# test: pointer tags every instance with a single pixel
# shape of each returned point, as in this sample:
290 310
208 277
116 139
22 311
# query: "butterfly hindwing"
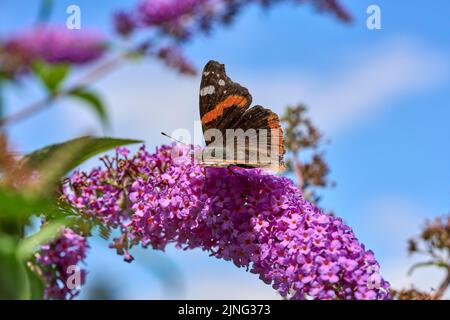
266 125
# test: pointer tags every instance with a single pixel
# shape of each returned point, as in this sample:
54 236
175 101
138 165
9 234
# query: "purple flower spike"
124 23
258 221
52 44
59 263
155 12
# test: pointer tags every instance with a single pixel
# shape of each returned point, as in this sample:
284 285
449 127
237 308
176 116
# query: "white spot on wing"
221 82
207 90
206 73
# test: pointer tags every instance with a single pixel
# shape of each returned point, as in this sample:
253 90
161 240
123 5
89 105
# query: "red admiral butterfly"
235 134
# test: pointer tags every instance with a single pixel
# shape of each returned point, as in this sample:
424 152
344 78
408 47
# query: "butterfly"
235 133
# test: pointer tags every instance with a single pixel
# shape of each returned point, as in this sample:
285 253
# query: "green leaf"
1 97
17 280
85 147
36 285
16 205
51 75
45 11
27 247
7 244
104 231
13 278
438 264
92 100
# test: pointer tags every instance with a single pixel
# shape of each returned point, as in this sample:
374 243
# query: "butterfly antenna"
170 137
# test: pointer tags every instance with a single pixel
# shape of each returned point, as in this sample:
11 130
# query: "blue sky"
381 96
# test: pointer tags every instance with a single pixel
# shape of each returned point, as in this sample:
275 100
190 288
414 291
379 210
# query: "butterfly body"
235 133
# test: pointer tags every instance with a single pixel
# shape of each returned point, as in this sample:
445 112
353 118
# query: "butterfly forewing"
222 101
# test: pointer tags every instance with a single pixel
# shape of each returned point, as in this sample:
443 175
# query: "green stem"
99 71
45 10
1 99
444 286
40 105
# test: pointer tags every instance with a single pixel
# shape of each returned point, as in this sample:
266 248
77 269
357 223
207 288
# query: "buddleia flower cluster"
257 220
59 264
51 44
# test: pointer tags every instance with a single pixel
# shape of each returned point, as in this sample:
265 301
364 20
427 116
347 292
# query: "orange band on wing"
233 100
274 123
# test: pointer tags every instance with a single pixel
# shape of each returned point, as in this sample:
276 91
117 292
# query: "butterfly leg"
229 168
231 171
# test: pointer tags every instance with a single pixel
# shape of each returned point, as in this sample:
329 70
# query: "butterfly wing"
224 104
265 125
222 101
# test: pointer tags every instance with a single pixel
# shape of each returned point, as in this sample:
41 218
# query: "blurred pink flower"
51 44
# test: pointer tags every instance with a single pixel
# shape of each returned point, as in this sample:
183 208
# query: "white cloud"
145 99
386 225
362 85
232 288
214 286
